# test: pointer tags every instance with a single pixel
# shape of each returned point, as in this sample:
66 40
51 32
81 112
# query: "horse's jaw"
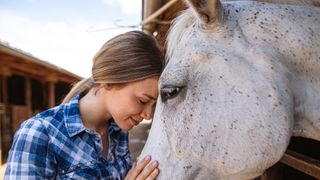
172 166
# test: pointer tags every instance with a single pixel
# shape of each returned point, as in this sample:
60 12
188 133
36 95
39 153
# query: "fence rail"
302 163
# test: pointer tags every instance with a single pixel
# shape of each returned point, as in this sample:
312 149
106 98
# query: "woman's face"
130 104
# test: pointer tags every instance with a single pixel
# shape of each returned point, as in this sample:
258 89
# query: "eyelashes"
169 92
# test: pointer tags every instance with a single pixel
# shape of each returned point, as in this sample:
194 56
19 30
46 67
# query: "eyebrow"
150 96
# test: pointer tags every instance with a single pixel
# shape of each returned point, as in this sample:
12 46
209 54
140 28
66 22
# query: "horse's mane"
180 24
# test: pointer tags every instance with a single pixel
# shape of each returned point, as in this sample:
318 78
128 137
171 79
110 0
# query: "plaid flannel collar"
73 120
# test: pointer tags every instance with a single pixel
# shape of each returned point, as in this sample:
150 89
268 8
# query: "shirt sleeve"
29 156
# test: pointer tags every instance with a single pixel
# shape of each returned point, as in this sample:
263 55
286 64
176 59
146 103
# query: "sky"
66 33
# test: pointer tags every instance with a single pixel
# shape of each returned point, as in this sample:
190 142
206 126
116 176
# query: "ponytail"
81 86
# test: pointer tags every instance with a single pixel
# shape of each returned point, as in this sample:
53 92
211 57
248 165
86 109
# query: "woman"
86 136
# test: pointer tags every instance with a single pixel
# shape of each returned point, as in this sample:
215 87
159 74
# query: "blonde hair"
128 57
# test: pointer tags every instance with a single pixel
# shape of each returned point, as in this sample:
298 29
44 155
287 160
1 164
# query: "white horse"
241 79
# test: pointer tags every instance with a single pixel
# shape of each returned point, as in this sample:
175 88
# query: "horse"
241 78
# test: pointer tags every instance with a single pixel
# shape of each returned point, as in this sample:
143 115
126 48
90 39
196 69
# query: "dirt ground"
137 138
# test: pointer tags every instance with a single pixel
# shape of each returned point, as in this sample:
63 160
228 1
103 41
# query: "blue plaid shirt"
55 145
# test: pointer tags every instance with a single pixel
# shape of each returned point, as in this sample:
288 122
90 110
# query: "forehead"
146 86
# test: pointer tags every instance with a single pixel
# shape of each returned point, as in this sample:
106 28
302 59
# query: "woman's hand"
142 171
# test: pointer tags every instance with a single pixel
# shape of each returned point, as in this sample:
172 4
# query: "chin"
125 127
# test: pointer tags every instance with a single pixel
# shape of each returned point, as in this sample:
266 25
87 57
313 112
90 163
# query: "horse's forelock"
177 30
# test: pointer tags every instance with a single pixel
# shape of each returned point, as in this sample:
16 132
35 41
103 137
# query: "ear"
208 11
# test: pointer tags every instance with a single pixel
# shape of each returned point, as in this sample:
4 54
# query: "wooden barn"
302 159
27 86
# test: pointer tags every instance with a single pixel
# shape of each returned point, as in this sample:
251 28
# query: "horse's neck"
302 2
296 38
297 2
302 56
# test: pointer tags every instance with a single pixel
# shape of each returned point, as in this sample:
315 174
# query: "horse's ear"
208 11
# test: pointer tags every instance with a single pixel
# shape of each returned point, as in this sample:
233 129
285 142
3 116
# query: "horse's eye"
169 92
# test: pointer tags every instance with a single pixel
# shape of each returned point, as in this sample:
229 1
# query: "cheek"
117 108
129 108
134 108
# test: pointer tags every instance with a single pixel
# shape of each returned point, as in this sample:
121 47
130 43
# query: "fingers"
129 174
149 172
139 167
143 170
154 174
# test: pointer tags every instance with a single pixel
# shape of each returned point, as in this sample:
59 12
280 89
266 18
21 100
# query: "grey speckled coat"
241 79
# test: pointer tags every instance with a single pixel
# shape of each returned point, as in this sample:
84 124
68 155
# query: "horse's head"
226 108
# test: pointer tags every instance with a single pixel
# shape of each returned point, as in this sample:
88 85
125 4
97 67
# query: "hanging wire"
116 24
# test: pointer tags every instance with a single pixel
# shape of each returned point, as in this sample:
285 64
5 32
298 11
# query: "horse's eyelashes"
169 92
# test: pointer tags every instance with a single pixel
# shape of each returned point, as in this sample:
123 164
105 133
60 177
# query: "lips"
133 122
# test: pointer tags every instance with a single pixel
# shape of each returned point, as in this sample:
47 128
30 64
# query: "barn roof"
22 62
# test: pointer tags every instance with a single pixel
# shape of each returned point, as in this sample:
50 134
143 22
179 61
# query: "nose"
147 112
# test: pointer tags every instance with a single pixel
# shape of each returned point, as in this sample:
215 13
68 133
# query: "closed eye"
143 102
169 92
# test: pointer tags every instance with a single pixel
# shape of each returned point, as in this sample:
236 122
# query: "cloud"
64 43
126 6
